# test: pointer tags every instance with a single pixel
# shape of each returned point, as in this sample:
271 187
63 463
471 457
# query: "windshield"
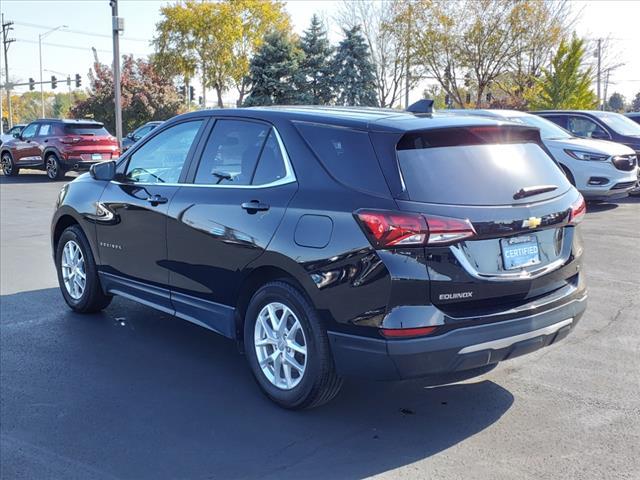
619 123
86 129
548 129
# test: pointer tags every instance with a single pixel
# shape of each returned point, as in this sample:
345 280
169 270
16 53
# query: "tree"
566 84
616 102
146 95
274 72
354 78
635 104
315 67
388 28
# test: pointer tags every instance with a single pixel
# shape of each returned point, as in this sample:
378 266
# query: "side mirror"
16 135
599 135
105 171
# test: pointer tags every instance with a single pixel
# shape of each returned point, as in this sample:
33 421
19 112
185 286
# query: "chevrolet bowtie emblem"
532 222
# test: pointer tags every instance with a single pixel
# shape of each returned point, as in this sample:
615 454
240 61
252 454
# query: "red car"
58 146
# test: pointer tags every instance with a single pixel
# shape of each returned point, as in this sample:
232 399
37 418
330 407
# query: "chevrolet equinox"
334 242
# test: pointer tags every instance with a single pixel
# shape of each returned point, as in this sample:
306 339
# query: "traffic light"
32 84
182 91
447 100
192 94
489 97
468 98
78 80
54 81
200 101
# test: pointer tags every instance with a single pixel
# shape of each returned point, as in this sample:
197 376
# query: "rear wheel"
9 168
53 167
77 273
288 349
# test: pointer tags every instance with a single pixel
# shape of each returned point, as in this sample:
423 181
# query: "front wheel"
53 167
9 168
77 273
288 349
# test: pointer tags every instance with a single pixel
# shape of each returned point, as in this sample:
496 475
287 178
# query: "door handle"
155 200
255 206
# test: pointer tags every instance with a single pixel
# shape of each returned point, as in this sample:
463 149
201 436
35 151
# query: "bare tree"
387 28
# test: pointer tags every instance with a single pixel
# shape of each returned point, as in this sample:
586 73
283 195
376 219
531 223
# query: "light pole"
117 26
40 37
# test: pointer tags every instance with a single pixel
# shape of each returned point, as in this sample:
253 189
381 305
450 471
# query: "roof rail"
421 106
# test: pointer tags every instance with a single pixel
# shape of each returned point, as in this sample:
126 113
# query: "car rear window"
460 168
85 129
347 155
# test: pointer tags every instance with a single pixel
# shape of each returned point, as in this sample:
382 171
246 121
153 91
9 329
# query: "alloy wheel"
281 345
7 166
74 274
52 167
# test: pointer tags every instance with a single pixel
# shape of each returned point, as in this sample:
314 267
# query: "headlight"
580 155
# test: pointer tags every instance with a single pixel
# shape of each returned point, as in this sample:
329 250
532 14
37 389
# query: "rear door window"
476 173
45 129
346 154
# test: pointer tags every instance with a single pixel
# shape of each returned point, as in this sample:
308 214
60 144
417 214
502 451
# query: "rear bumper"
459 350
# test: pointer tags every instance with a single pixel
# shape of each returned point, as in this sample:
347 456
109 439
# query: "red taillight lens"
70 140
391 229
443 230
386 229
578 211
406 332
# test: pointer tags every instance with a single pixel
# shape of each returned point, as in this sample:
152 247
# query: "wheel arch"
62 223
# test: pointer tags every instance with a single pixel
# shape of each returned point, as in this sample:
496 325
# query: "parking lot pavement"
133 393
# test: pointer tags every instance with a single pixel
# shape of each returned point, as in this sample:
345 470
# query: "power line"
74 47
82 32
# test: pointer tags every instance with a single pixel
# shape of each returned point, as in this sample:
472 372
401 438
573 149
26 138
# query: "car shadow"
34 176
134 393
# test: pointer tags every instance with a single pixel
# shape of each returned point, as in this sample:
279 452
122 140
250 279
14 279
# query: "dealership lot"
134 393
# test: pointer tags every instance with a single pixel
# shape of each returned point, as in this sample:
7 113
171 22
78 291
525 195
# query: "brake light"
444 230
578 211
70 140
406 332
386 229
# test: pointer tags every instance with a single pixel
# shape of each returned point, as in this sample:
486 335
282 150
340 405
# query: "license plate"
520 252
96 156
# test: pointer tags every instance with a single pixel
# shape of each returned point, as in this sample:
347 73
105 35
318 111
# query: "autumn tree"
315 66
354 74
566 84
275 72
146 95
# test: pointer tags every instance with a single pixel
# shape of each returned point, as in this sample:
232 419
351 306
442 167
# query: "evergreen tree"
315 69
274 72
566 85
616 102
635 105
354 78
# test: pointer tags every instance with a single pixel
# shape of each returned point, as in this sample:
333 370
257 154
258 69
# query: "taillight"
70 140
386 229
578 211
406 332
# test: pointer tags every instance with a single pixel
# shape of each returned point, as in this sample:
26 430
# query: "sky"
88 24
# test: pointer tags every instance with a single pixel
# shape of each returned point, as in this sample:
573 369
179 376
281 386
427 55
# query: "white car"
8 135
599 169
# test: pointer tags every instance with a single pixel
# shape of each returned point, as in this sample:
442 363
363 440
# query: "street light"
40 37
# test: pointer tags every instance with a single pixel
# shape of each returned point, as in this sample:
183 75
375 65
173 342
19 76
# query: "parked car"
11 133
137 134
58 146
598 125
635 116
599 169
332 242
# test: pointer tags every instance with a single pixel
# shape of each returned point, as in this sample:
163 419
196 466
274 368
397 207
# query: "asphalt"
132 393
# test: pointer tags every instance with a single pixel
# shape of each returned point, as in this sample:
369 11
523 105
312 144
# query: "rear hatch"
499 212
90 141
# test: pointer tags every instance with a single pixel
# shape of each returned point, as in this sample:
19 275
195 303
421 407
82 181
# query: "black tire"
9 168
53 167
319 383
92 299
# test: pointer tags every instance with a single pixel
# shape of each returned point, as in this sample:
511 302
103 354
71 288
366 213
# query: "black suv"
331 242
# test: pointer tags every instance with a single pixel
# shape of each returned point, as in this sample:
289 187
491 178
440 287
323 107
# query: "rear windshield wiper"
535 190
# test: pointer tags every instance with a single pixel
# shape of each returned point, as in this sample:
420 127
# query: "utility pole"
599 54
6 41
117 27
407 54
